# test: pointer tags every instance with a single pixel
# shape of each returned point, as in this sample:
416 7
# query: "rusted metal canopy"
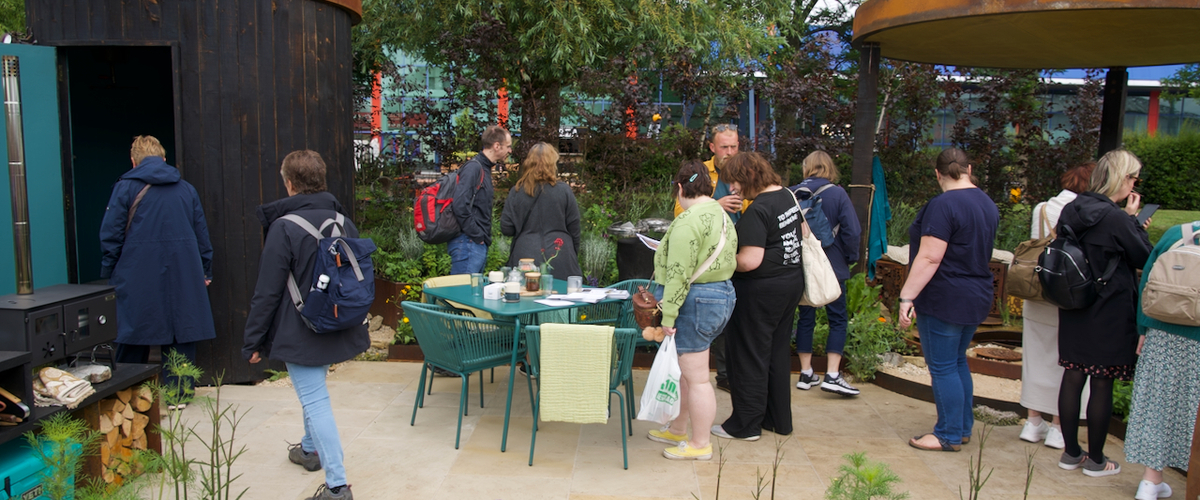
1033 33
354 7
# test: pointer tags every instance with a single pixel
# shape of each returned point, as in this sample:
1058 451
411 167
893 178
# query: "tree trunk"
541 113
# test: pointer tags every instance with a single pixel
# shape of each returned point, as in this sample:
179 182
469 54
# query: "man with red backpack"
472 205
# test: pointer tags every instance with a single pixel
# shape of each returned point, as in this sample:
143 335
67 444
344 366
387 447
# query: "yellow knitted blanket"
575 365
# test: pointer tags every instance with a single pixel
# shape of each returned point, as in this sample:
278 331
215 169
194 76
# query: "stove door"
90 322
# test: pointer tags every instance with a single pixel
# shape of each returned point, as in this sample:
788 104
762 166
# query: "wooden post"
1112 117
864 141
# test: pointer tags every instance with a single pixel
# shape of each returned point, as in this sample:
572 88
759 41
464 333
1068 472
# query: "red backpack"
432 216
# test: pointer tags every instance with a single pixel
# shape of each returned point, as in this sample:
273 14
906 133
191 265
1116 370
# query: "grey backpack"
1172 293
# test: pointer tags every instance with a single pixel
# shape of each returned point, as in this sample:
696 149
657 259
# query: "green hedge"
1170 169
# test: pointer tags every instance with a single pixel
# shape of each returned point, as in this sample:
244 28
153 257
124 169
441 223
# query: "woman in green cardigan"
694 263
1166 388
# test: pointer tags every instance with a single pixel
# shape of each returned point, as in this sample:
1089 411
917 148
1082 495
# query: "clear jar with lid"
526 265
533 281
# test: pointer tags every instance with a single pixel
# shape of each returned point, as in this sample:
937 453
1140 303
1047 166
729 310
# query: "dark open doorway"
113 94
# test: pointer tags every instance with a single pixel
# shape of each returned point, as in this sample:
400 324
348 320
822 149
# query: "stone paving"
386 458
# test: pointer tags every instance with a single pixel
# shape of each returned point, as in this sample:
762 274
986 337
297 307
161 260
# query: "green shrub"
1014 226
594 254
868 334
903 215
1122 399
1170 167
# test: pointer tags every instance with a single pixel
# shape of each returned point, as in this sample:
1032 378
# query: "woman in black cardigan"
1098 344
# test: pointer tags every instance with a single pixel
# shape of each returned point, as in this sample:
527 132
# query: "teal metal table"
514 310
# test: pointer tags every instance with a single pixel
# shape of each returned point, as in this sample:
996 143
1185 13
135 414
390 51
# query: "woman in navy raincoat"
160 263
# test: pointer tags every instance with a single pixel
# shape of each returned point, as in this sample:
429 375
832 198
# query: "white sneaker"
1034 433
1054 438
719 431
1149 491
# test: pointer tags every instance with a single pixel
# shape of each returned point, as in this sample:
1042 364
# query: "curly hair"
750 170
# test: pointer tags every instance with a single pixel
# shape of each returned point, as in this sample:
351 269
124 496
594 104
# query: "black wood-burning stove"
58 320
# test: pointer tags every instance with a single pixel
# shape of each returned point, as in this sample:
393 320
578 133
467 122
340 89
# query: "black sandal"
944 444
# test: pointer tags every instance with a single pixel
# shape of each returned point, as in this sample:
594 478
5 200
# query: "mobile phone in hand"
1146 213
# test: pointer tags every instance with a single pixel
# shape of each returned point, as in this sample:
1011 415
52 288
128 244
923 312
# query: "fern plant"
862 479
61 446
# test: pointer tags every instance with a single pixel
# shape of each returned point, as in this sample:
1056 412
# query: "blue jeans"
320 430
703 315
838 319
466 256
945 346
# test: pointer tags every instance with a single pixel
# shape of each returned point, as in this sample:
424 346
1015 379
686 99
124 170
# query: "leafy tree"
1185 81
12 16
538 48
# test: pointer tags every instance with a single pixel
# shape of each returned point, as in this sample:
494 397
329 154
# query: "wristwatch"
906 301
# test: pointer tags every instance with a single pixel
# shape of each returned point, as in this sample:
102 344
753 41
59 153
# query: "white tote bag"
821 286
660 398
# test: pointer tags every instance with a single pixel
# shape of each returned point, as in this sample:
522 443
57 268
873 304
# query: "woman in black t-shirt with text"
769 282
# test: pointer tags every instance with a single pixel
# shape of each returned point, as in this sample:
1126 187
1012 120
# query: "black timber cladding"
255 80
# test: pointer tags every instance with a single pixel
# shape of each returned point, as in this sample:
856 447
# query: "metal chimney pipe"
16 174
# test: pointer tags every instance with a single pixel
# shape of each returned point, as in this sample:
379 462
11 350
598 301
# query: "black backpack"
1066 278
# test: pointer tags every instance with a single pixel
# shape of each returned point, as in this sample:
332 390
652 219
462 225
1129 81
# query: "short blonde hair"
1112 169
144 146
819 164
539 167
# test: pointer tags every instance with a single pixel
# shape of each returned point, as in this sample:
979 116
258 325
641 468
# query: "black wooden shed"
230 88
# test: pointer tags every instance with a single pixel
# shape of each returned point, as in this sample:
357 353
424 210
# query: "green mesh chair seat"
612 313
620 372
455 341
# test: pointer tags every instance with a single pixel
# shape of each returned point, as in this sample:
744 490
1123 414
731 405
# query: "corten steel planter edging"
916 390
406 352
386 293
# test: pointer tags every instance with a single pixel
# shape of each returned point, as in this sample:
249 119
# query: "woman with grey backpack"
1166 385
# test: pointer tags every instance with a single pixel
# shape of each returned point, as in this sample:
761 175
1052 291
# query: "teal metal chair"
620 373
460 344
611 313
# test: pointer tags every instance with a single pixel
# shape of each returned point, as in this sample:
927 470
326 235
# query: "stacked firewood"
123 420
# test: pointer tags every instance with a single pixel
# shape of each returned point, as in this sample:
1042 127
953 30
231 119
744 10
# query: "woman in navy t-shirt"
949 288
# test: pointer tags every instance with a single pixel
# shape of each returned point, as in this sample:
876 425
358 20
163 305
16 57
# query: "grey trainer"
326 493
298 456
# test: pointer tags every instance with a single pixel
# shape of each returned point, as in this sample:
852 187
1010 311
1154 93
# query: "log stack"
126 423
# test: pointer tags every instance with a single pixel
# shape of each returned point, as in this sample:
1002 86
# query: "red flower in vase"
558 244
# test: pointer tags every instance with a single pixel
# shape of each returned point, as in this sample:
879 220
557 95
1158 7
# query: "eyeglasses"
1135 179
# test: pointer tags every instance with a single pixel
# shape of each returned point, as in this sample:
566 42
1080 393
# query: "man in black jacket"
472 205
275 329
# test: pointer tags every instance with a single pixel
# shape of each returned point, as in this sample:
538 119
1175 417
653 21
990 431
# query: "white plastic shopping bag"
660 398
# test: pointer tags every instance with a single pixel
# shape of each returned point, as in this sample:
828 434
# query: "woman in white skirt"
1040 373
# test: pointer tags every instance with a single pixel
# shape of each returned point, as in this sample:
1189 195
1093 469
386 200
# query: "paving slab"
387 457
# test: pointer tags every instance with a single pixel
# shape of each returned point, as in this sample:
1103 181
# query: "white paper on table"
651 243
591 296
555 303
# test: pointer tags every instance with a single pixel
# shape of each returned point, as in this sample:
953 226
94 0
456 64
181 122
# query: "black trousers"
131 353
758 351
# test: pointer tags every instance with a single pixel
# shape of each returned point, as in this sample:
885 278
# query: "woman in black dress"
1098 344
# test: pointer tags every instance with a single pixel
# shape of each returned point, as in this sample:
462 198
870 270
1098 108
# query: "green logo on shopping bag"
668 391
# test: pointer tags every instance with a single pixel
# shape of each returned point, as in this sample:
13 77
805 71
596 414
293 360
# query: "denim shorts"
703 315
